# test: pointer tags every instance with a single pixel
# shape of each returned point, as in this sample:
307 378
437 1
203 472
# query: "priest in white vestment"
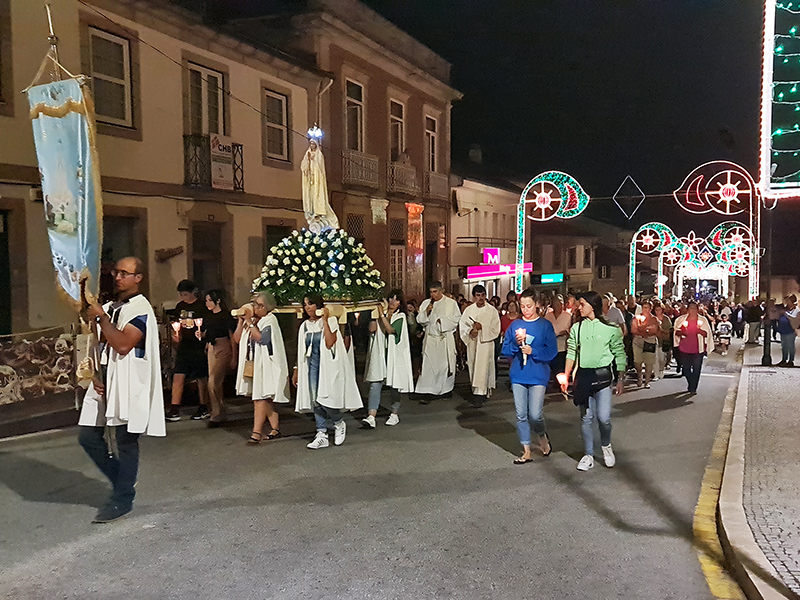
125 393
439 315
479 328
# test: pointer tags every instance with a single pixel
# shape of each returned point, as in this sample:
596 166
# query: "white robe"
399 374
134 396
270 373
337 380
480 350
375 367
438 346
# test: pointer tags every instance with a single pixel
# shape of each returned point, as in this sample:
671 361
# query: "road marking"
715 375
706 536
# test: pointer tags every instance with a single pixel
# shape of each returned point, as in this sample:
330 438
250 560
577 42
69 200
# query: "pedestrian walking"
263 371
530 343
645 328
664 350
786 326
561 320
596 353
752 316
479 327
389 359
439 315
326 384
694 338
125 394
217 332
190 357
724 331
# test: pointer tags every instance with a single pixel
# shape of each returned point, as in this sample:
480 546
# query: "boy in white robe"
260 340
125 393
439 315
479 328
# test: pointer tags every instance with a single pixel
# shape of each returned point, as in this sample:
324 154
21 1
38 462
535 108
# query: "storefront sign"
491 256
551 278
495 271
221 162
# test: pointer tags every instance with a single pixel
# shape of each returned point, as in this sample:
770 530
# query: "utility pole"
766 358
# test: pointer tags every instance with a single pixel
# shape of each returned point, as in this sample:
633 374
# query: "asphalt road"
431 508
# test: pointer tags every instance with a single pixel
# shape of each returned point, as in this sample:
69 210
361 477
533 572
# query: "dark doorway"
207 255
431 261
120 239
5 277
273 234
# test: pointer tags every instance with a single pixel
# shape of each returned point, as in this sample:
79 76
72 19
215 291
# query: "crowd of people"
583 345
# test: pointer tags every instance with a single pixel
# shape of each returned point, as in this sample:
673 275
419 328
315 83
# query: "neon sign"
494 271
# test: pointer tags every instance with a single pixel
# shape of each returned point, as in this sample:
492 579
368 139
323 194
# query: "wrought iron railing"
402 179
486 242
238 167
436 186
196 160
359 168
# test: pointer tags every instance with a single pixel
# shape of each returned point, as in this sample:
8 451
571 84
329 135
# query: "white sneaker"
370 420
340 429
586 463
608 456
321 441
393 419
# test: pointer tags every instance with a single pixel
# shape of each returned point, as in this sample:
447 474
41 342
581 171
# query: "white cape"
375 367
133 385
399 374
438 346
337 379
480 350
270 373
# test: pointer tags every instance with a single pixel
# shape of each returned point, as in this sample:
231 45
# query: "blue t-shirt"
541 337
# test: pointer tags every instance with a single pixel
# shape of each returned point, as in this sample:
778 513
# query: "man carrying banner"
125 393
479 328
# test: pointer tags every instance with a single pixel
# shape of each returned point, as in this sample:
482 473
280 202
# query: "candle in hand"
562 379
522 333
198 323
176 326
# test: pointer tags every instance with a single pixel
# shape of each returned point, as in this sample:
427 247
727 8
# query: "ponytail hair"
594 300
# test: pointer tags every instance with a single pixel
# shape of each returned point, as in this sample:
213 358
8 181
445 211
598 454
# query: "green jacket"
601 345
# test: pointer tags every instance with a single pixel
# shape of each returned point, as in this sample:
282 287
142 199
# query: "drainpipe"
319 98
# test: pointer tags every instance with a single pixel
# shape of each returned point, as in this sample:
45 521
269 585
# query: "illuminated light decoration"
495 271
314 133
779 169
728 189
629 182
549 195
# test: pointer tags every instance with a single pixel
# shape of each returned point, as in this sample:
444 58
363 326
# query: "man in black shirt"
190 357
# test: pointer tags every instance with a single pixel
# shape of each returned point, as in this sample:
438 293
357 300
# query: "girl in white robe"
325 380
389 359
260 341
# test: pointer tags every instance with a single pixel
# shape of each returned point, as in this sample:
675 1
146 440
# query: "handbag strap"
578 347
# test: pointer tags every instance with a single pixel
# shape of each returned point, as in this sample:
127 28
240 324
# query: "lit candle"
198 322
523 332
562 379
176 325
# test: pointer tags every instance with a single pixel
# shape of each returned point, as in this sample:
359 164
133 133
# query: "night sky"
602 89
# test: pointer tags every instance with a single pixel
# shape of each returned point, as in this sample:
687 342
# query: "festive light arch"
548 195
727 251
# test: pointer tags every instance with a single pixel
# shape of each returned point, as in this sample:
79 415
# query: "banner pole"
55 73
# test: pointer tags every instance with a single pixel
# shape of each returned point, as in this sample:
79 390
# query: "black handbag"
649 347
589 381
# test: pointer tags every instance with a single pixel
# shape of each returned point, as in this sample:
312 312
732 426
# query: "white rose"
301 282
297 260
347 281
335 285
295 268
281 271
305 267
323 285
286 261
311 284
324 244
340 256
317 254
279 282
293 278
351 239
301 251
358 282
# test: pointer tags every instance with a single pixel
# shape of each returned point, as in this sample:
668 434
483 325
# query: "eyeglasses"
121 273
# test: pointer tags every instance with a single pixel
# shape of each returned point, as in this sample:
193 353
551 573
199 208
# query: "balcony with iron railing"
197 162
359 168
436 186
402 179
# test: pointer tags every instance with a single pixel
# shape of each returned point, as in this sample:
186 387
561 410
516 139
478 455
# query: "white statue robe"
480 350
315 189
337 379
134 396
270 371
399 374
438 346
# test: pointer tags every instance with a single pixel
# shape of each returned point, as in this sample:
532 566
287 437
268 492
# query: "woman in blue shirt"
530 343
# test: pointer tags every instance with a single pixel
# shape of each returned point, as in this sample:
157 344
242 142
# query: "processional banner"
64 131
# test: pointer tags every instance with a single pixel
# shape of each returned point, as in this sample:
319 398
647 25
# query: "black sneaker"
111 512
174 413
202 413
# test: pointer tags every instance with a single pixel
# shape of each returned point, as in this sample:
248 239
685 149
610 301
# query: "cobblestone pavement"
771 494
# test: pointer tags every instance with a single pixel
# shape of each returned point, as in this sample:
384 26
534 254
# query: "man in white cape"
439 315
479 328
125 393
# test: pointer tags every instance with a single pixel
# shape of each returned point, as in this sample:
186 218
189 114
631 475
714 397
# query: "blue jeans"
692 364
122 469
323 414
528 402
787 347
375 397
599 407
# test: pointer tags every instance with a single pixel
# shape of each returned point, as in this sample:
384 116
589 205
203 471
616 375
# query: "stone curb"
755 574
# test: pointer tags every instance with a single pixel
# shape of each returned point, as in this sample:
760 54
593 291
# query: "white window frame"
361 104
126 56
397 122
284 129
205 72
431 145
397 254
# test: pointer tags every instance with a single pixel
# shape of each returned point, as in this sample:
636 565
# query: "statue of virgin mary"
317 208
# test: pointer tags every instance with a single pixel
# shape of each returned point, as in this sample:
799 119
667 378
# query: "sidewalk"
759 506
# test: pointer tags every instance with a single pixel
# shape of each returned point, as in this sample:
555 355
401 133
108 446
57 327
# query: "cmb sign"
221 162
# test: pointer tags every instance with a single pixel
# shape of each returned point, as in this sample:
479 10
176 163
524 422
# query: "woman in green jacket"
593 348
